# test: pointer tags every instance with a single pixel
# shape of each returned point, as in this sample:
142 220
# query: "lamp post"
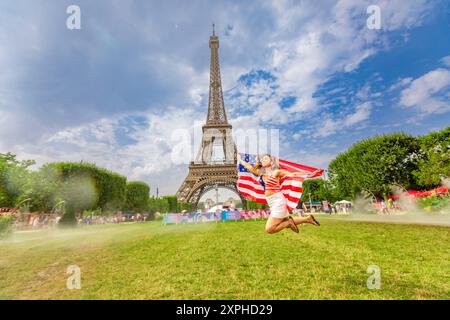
217 196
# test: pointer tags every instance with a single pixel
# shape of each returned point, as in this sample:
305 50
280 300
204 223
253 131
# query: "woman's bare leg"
301 220
274 225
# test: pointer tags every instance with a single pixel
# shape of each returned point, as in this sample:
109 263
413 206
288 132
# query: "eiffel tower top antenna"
213 30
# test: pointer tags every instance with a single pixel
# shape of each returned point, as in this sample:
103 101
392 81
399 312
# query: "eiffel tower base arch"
203 178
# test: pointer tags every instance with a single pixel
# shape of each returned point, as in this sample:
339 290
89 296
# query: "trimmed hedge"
137 196
84 186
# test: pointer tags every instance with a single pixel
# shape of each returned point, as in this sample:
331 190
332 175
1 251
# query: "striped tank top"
272 184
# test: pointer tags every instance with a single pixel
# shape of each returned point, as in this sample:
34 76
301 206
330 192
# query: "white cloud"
311 45
149 158
308 46
395 14
402 83
127 58
270 112
331 126
362 113
314 158
422 93
446 61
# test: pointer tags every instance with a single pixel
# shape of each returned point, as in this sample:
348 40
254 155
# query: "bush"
435 202
6 222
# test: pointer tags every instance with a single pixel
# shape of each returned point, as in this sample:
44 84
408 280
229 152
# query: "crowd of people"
35 220
388 207
118 218
324 207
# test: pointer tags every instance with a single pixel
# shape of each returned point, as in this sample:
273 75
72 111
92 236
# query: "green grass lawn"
233 260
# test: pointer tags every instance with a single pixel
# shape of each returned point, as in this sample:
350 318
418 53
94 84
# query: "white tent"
343 202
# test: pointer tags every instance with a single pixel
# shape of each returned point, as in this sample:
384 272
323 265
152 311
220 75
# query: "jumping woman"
269 177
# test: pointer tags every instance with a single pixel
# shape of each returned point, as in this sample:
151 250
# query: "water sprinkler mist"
364 202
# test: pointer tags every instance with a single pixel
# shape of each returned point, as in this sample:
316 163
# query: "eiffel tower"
215 163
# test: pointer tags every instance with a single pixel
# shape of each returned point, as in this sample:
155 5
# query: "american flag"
250 185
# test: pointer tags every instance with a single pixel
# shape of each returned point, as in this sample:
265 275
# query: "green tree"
137 196
42 188
14 174
173 203
434 160
184 206
320 190
158 205
376 164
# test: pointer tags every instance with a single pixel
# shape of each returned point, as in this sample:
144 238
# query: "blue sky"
115 91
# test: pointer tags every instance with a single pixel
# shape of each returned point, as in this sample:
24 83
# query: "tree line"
375 165
74 188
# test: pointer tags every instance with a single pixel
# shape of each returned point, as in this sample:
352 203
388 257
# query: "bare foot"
313 220
292 225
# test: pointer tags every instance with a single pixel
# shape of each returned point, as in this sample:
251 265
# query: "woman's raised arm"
282 173
248 166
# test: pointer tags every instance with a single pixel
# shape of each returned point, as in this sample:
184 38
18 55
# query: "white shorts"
278 205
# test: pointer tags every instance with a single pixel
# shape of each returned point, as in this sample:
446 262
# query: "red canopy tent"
410 193
416 193
441 190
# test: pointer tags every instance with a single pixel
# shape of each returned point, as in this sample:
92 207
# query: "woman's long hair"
258 165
